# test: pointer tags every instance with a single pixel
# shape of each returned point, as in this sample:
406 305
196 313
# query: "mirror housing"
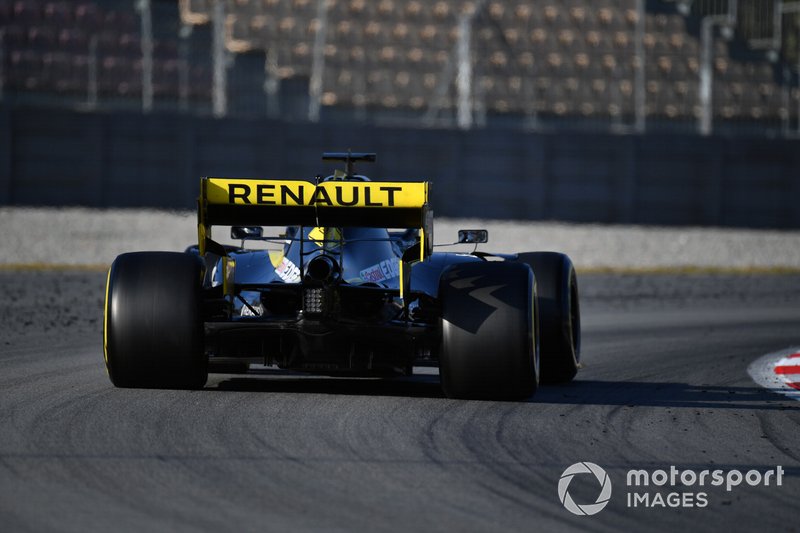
473 236
244 233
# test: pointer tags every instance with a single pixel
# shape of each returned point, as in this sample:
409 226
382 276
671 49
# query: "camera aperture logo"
589 508
646 488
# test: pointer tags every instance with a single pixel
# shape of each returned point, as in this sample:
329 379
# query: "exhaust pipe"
322 269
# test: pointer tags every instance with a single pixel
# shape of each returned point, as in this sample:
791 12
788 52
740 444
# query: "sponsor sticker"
386 269
288 271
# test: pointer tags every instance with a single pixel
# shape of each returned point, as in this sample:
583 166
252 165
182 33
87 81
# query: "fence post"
146 19
183 67
464 76
706 73
318 63
641 110
91 88
220 60
272 82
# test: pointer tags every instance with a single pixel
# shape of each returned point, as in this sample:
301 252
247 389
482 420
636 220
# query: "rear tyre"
489 331
152 334
560 318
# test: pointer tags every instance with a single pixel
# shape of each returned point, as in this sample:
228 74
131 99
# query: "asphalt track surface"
665 383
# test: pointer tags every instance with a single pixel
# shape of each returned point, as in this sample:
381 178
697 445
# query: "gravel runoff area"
93 237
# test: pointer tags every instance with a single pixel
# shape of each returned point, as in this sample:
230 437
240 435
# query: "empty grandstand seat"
200 82
526 61
120 21
599 88
25 66
61 75
606 18
622 41
6 11
413 10
386 8
679 70
664 64
541 37
609 62
596 41
41 37
26 12
15 36
653 88
582 61
129 44
566 37
289 29
58 14
578 16
301 53
165 78
554 15
87 16
554 64
693 65
765 72
73 40
496 11
676 42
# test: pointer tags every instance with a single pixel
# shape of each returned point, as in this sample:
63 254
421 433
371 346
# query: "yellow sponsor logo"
330 194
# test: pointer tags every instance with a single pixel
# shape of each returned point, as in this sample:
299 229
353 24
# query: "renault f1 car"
355 289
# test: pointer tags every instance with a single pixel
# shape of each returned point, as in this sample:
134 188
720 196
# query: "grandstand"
620 65
90 54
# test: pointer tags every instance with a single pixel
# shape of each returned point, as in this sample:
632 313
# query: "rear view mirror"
244 233
473 236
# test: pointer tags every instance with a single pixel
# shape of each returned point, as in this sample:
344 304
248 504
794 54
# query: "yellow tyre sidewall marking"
105 319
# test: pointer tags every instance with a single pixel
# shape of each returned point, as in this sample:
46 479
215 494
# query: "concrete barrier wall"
50 157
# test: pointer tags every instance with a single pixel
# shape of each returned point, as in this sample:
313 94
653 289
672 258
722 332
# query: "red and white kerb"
788 370
779 372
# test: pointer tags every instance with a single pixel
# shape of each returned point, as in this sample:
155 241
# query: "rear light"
313 301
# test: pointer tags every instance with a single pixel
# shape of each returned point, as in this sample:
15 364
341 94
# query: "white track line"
779 372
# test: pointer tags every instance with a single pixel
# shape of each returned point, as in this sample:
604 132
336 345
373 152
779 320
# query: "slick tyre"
152 331
560 317
489 344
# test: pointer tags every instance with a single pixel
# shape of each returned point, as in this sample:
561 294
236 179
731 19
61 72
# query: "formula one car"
343 295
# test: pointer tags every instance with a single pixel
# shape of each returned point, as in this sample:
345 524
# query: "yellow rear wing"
335 203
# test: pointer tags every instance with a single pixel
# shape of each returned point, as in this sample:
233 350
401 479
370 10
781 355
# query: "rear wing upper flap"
263 202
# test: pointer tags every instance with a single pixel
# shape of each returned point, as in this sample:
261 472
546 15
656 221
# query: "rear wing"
335 203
